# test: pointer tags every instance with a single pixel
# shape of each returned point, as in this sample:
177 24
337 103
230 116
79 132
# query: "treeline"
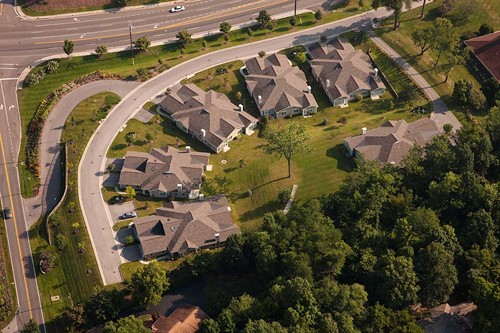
353 261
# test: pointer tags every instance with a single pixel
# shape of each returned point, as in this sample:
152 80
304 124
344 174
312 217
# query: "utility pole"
131 45
295 11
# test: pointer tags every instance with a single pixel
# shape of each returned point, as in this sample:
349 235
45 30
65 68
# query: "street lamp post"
131 45
295 11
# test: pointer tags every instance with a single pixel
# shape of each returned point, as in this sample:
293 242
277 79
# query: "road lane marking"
14 218
220 14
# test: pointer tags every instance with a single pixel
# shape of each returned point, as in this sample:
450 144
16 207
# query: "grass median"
120 63
76 273
8 300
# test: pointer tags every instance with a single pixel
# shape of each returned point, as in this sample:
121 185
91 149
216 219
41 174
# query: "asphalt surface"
46 35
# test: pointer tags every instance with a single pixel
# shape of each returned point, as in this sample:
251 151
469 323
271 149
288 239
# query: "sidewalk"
441 113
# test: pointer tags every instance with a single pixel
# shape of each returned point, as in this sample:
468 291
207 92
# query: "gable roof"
181 226
185 319
162 169
280 84
392 141
210 111
487 50
346 69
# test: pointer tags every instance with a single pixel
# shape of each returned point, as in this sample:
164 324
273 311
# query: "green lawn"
400 40
49 10
129 268
120 63
316 173
76 274
7 280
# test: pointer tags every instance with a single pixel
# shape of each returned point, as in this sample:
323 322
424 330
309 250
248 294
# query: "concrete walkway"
441 113
290 201
50 164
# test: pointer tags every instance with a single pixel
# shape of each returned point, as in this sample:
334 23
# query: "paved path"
50 166
441 113
290 201
96 213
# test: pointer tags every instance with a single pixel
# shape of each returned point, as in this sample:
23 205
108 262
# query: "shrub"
112 100
293 22
250 32
284 195
51 66
143 74
101 50
323 38
47 261
142 43
62 242
249 193
477 101
318 15
129 240
342 120
262 54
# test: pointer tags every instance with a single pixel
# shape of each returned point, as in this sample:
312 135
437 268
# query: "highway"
24 40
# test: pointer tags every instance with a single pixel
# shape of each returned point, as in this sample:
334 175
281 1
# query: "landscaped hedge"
35 127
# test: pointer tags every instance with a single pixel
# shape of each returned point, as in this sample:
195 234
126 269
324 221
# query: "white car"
128 215
177 9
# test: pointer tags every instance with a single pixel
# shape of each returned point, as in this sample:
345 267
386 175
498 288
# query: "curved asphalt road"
50 167
97 216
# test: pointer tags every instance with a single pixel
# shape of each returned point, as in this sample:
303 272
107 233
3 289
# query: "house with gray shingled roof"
278 88
180 228
343 72
392 141
165 172
210 117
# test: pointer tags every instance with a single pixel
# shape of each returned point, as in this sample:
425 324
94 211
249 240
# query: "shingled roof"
487 50
280 84
346 69
210 111
183 226
392 141
185 319
163 169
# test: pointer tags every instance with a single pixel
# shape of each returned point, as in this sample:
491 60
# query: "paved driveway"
117 210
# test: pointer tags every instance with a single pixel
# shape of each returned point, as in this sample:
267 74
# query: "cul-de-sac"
250 166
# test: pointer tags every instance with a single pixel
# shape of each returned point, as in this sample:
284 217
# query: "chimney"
260 99
203 132
328 83
375 72
217 238
363 131
201 197
179 187
309 89
241 107
188 149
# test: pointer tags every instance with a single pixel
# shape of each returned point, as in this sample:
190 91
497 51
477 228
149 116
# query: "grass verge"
76 274
129 268
46 8
120 63
8 292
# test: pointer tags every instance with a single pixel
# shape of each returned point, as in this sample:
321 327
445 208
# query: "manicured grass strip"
120 63
10 288
48 10
129 268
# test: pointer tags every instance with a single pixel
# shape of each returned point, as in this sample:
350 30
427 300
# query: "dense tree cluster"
354 260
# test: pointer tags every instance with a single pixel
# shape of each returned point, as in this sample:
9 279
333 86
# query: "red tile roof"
487 50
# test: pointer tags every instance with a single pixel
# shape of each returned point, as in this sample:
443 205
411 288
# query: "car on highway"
128 215
177 9
7 214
